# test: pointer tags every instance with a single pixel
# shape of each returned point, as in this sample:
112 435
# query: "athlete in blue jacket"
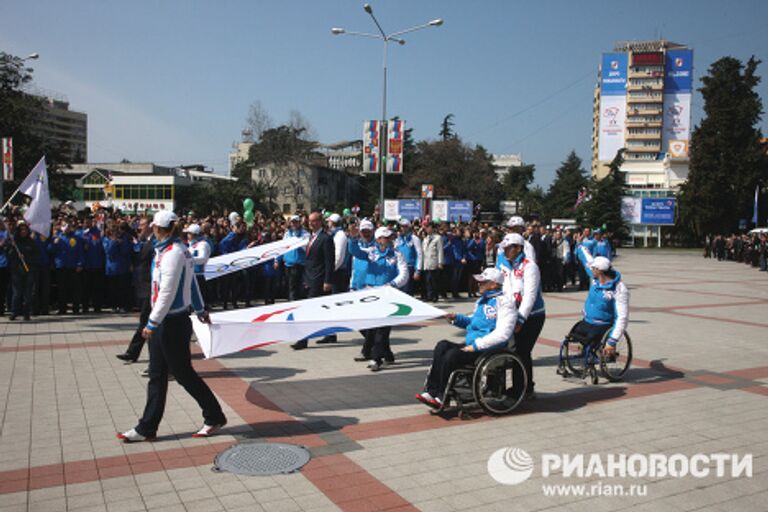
491 325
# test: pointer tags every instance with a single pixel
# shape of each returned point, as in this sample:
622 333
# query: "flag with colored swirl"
240 260
245 329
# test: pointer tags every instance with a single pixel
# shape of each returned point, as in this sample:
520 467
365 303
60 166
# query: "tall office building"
642 103
66 128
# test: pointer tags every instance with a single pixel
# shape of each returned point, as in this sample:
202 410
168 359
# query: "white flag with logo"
245 329
35 185
240 260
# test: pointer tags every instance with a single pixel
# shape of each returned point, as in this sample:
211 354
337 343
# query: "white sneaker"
374 366
209 430
131 436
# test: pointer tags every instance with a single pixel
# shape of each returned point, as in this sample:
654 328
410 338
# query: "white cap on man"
164 218
516 221
601 263
512 239
335 218
234 217
195 229
490 274
295 218
383 231
365 224
405 222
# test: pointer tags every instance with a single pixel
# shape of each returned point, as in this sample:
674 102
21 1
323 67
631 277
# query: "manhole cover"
254 459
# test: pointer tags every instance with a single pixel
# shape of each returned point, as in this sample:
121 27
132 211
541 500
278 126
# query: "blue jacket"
590 244
43 250
296 256
492 323
4 235
476 250
94 257
386 267
359 265
118 255
68 251
606 303
410 246
232 243
603 248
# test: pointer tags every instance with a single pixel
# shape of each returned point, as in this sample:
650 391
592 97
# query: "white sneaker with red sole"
131 436
209 430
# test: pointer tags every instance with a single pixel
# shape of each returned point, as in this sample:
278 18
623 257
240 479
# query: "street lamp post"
382 36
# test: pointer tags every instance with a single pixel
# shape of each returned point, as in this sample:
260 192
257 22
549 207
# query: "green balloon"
248 216
326 215
248 205
347 212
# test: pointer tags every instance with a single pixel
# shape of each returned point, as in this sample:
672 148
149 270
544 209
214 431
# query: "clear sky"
171 81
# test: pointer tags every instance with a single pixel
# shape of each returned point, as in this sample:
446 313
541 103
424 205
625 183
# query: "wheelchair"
581 358
496 383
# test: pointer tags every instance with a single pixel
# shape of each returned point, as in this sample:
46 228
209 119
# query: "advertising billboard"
371 146
658 211
678 88
460 211
410 209
613 104
396 131
630 209
439 210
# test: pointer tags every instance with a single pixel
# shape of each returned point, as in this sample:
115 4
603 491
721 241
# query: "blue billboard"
460 211
678 71
613 74
658 211
409 209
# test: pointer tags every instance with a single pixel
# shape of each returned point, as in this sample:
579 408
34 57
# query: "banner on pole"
396 129
245 329
371 146
234 261
7 159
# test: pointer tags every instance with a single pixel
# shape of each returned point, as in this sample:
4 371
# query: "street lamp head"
436 23
33 56
368 8
336 31
401 42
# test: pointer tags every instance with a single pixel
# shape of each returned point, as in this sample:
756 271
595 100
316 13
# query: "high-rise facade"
66 128
642 103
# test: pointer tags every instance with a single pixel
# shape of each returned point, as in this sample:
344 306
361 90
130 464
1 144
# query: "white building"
503 163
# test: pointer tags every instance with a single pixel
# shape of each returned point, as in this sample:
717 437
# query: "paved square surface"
698 384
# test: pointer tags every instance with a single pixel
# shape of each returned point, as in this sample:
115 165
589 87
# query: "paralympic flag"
245 329
240 260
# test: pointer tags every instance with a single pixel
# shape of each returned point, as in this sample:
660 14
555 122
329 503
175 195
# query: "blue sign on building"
460 211
658 211
678 71
410 209
613 79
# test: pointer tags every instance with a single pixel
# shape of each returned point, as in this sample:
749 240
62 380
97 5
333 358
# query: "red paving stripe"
758 390
761 372
64 346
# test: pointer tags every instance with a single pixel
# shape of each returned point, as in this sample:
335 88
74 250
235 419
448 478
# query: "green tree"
446 128
562 194
534 203
219 196
603 208
516 183
727 158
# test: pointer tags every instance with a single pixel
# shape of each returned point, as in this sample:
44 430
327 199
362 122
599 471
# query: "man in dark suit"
318 265
144 251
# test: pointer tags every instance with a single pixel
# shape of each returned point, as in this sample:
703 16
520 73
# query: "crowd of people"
751 249
97 261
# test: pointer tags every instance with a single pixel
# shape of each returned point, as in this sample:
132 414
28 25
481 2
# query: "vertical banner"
371 146
396 129
439 211
613 104
391 209
678 88
7 159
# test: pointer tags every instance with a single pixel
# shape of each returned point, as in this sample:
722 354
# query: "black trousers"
42 292
119 290
429 290
524 342
295 282
70 289
592 333
169 352
444 280
5 277
23 284
380 349
202 285
137 342
456 273
446 358
93 289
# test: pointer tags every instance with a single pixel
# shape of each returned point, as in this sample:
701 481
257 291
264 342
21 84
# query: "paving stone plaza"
698 385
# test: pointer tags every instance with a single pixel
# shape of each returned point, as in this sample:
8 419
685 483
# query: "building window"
286 207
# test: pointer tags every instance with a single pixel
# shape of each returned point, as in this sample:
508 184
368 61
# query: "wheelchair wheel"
614 367
499 383
573 355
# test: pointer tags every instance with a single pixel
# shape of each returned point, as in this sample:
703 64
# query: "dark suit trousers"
137 342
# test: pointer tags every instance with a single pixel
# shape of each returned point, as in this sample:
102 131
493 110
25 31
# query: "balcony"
643 136
651 148
658 86
644 111
656 98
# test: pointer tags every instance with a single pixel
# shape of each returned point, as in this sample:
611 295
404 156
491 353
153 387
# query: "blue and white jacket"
603 248
174 287
200 249
492 323
385 267
410 246
522 283
606 303
359 266
296 256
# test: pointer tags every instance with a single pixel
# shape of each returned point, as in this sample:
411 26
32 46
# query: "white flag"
245 329
234 261
35 185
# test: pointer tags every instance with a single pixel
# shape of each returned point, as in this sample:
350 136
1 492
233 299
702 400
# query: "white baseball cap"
601 263
405 222
164 218
335 218
366 224
234 217
383 231
515 221
295 218
195 229
512 239
490 274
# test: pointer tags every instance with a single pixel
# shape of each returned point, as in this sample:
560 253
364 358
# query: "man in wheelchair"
491 325
606 308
